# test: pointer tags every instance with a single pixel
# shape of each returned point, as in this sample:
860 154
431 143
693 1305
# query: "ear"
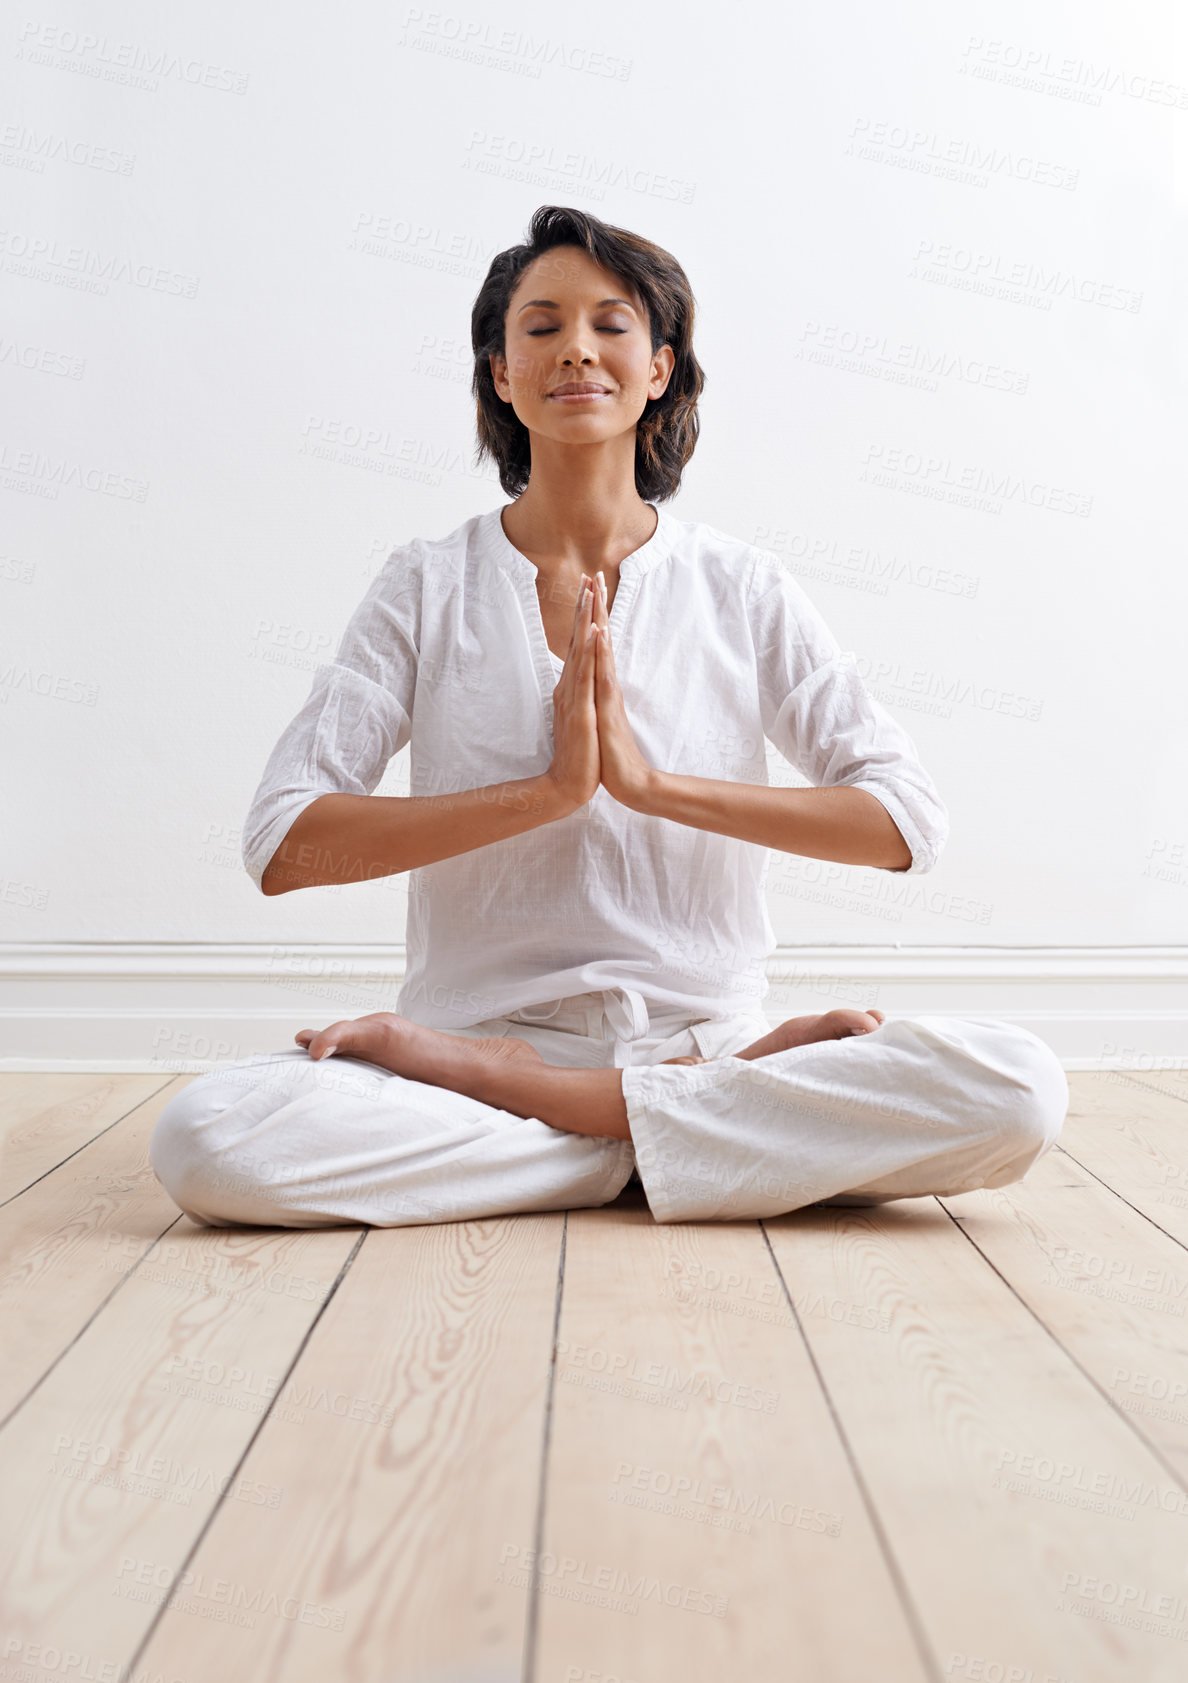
663 363
497 363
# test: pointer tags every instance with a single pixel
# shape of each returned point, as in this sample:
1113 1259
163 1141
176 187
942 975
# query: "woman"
587 684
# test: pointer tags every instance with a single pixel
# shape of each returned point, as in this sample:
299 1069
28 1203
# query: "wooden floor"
938 1439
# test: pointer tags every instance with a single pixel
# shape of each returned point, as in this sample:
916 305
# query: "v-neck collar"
499 547
648 553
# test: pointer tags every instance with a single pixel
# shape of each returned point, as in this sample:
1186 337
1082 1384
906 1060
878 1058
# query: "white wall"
232 236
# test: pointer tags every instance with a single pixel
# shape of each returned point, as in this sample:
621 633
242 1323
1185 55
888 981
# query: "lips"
583 388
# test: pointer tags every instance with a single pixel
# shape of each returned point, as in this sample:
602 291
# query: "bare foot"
802 1031
411 1049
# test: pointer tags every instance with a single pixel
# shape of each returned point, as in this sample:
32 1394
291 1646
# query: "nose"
575 349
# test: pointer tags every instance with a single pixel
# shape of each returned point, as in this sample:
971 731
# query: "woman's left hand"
625 773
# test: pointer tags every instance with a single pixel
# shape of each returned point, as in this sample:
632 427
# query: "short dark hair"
666 433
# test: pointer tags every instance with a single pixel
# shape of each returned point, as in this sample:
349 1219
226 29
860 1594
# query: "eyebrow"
550 304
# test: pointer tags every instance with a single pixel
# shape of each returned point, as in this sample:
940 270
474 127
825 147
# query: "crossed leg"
512 1076
475 1128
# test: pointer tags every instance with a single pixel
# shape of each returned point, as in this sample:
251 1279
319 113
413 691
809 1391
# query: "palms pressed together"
593 745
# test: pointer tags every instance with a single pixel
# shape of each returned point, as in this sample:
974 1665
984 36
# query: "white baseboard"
166 1006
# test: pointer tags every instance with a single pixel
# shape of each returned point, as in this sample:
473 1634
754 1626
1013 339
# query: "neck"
580 509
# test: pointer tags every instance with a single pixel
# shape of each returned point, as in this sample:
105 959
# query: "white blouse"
717 648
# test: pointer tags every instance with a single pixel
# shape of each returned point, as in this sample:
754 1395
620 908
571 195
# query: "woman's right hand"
576 767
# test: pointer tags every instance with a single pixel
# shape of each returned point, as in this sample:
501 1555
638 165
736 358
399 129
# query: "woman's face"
572 324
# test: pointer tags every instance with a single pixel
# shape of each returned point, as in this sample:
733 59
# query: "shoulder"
419 560
750 570
708 547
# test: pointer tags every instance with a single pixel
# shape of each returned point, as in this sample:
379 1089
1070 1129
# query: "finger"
571 666
587 619
586 670
320 1043
606 658
577 614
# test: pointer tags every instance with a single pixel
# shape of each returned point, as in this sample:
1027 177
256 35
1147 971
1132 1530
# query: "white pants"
920 1105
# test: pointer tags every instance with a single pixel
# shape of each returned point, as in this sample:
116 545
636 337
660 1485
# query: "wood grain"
67 1241
397 1504
837 1492
45 1117
1135 1140
943 1414
1109 1286
702 1519
110 1477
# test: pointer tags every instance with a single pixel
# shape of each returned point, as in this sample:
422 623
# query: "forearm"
354 838
578 1101
839 823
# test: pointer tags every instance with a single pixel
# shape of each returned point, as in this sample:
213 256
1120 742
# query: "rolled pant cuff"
683 1182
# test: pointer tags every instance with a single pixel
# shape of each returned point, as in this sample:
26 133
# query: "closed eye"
535 332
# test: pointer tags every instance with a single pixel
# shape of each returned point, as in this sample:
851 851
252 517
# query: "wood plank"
136 1402
392 1522
1171 1082
941 1411
1136 1141
49 1114
67 1241
702 1520
1108 1285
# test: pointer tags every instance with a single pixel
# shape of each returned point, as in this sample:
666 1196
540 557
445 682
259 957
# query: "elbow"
920 862
271 881
911 840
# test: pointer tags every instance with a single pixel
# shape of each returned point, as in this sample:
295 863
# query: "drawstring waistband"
625 1012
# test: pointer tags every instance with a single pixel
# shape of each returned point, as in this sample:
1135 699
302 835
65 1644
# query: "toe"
845 1022
321 1043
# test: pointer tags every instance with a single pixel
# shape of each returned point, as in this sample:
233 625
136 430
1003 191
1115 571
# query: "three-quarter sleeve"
358 714
820 716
